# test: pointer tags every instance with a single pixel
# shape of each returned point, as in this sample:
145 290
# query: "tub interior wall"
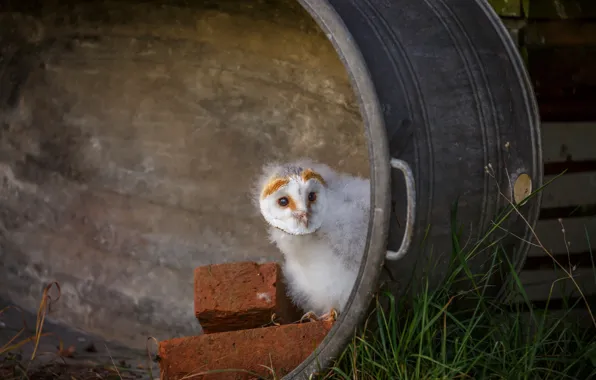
130 136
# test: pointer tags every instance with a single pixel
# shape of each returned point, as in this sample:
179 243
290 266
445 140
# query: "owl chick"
319 221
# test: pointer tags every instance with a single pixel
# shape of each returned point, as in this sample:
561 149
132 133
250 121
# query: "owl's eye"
312 196
283 201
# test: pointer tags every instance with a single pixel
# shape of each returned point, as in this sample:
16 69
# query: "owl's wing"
346 224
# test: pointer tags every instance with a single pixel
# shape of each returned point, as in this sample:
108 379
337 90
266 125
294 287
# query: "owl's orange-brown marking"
291 204
273 186
310 174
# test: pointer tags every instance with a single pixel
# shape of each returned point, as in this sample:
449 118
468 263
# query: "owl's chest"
315 274
314 268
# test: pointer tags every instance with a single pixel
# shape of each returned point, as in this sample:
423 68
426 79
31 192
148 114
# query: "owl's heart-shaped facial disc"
295 203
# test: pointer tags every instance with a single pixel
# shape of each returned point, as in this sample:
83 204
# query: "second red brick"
269 352
242 295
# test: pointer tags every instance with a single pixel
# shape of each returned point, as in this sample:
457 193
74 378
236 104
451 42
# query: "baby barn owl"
319 220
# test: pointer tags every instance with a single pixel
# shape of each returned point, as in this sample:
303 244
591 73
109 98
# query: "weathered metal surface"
129 143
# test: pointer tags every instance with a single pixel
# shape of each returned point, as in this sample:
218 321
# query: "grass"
428 337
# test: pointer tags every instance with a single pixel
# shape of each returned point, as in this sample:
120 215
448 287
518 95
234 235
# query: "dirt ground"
66 353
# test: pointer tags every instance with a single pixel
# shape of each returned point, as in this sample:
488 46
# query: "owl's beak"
302 218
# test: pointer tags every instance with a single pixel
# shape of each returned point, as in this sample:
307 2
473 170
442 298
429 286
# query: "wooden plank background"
557 39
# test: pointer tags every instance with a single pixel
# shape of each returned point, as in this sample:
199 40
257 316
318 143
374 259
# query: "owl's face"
294 203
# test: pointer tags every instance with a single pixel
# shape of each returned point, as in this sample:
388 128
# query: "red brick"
282 348
241 295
